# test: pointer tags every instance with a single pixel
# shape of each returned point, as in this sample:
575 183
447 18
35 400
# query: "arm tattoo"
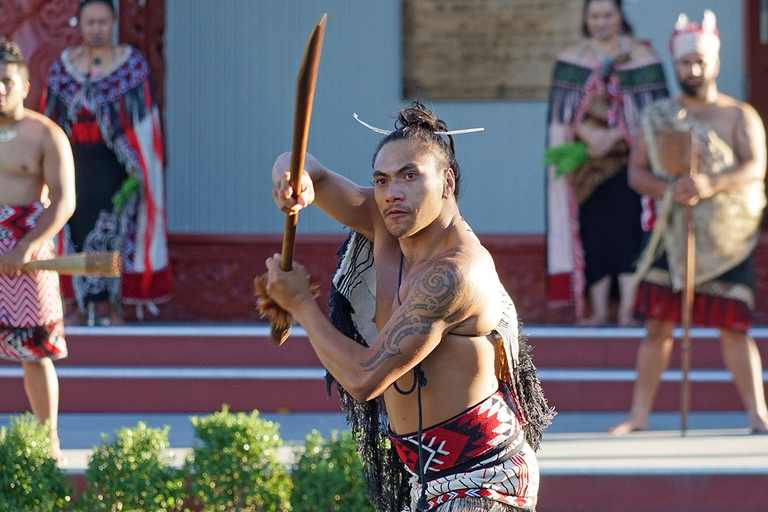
438 296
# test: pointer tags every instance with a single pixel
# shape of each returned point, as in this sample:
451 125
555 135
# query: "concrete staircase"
177 370
191 368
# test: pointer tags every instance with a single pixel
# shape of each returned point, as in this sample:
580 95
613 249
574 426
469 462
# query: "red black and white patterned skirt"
479 454
31 319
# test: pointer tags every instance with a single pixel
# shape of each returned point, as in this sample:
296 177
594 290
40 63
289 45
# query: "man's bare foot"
56 452
628 425
758 425
596 320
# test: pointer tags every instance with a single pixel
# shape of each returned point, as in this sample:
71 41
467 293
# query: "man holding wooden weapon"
438 339
702 156
37 196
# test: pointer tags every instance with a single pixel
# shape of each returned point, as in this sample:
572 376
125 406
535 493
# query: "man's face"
696 73
13 89
96 25
408 185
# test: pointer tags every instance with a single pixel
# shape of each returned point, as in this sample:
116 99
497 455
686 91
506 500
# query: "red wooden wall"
43 29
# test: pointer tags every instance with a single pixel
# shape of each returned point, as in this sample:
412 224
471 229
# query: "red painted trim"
641 493
213 274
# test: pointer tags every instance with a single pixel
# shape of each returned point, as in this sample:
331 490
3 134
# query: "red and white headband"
690 37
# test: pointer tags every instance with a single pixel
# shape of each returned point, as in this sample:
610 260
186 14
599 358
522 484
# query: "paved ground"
575 443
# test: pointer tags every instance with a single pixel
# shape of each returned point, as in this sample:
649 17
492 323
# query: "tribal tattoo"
438 296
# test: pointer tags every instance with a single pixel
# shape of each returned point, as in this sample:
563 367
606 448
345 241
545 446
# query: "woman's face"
603 19
96 22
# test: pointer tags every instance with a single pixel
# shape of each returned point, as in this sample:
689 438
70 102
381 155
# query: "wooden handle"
104 264
686 315
305 94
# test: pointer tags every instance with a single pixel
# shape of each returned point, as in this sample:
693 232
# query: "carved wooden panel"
484 49
43 28
142 25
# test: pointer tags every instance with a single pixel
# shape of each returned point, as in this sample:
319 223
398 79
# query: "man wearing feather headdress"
727 196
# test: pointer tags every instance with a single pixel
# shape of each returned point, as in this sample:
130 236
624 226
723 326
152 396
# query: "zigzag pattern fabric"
481 453
31 318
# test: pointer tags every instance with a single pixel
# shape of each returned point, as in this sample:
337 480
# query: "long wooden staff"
305 93
687 306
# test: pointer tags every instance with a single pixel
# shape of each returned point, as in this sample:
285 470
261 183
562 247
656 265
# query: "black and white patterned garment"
388 482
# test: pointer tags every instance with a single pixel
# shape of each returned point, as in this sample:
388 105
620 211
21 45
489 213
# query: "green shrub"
130 474
329 476
234 464
30 479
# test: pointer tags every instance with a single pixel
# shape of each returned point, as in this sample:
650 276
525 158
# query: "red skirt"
723 303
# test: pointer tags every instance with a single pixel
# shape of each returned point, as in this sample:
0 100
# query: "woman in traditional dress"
100 93
594 233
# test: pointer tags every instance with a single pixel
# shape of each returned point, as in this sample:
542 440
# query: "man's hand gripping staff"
281 320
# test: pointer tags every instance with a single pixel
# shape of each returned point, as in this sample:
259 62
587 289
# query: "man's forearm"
50 222
645 183
339 354
738 177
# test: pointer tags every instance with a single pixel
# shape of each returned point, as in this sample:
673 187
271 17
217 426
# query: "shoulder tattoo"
438 296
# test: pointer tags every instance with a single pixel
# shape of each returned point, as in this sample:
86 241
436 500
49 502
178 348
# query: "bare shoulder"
40 122
461 284
449 270
44 128
736 110
749 112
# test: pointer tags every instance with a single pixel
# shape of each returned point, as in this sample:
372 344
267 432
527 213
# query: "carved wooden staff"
280 321
678 155
687 306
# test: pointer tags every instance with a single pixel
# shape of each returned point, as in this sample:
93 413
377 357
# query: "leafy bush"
129 473
329 476
30 479
234 464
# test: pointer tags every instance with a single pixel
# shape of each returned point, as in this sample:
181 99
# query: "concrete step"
613 347
183 345
248 345
174 389
162 368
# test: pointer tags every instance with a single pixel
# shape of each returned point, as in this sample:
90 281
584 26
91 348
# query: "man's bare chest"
388 280
721 124
20 158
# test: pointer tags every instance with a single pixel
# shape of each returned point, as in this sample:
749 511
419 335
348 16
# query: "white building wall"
231 74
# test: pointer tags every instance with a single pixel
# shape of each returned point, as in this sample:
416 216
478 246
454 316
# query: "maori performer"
37 196
423 342
727 198
101 94
594 232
